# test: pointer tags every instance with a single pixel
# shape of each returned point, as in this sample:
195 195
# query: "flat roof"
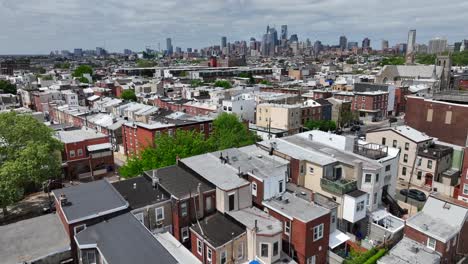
32 239
407 132
176 249
209 166
139 192
408 251
266 224
292 206
71 136
218 229
122 240
102 146
90 200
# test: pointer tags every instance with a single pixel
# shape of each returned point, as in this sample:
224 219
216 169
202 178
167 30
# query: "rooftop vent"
134 186
425 227
63 200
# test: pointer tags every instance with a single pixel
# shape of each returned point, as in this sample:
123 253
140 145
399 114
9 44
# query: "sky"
40 26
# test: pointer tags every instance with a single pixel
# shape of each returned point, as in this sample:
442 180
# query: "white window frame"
311 260
254 189
77 227
223 256
429 240
273 249
287 227
267 251
318 232
184 230
199 247
72 153
370 178
202 128
465 188
281 186
80 152
140 217
183 209
311 170
156 213
240 249
209 255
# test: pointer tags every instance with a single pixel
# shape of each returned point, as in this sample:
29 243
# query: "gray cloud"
39 26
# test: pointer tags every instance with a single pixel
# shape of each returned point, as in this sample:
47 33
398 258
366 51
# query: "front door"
231 202
429 179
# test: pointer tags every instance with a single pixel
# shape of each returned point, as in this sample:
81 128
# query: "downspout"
199 226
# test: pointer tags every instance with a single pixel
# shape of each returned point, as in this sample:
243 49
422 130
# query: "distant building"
284 32
78 52
437 46
366 43
410 49
223 42
169 47
343 42
384 45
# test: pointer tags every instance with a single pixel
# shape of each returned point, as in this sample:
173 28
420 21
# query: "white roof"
78 135
292 206
408 132
266 224
337 238
176 249
99 146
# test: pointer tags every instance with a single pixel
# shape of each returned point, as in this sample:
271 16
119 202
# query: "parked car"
51 185
392 120
415 194
355 128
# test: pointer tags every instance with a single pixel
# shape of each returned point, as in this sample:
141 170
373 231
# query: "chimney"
134 186
255 227
358 171
63 200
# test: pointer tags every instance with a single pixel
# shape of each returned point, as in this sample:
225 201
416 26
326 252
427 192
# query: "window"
199 247
159 213
429 115
454 241
318 232
210 126
302 169
405 158
368 178
80 152
185 233
403 171
208 205
231 201
419 175
431 243
170 132
333 217
429 164
209 254
183 209
448 117
311 170
311 260
281 183
79 228
139 217
368 199
254 188
72 153
384 141
388 167
377 178
360 206
202 127
240 250
89 257
264 250
394 143
287 227
406 146
465 189
275 248
375 198
223 257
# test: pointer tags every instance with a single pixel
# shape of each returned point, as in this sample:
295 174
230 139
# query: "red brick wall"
416 116
257 200
82 145
440 246
295 170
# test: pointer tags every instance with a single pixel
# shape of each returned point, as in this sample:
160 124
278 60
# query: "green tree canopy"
196 83
145 63
64 65
29 154
323 125
265 82
427 59
83 80
82 69
395 60
229 132
7 87
223 83
129 95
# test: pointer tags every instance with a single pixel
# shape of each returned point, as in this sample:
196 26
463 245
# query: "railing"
338 187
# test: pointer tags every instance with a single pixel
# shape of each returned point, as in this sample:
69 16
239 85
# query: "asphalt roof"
179 182
218 229
123 239
89 200
408 251
139 192
32 239
292 206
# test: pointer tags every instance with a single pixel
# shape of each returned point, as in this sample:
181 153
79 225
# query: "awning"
103 146
337 238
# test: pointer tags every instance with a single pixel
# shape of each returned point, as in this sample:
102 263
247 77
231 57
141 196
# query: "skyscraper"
352 44
410 52
294 38
437 45
343 42
284 32
366 43
384 45
223 42
169 47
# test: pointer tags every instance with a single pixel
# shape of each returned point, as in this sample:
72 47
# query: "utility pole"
411 175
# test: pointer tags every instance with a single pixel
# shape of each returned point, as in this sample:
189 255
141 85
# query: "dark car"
355 128
392 120
415 194
51 185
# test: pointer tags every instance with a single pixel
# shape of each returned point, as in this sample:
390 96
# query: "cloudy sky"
39 26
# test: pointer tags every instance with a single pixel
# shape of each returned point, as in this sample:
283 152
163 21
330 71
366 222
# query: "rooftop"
71 136
139 192
90 200
266 224
408 251
218 229
407 132
176 249
179 182
292 206
123 239
32 239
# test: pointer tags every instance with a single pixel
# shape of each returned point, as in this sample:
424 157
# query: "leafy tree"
244 75
196 83
41 70
29 154
223 83
395 60
145 63
129 95
47 77
81 70
265 82
460 58
427 59
7 87
83 80
65 65
323 125
229 132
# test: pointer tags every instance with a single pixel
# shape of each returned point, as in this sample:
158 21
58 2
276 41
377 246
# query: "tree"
65 65
7 87
223 83
145 63
47 77
129 95
426 59
41 70
83 80
29 154
81 70
229 132
395 60
196 83
323 125
265 82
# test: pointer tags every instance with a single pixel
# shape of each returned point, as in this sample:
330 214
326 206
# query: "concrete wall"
242 198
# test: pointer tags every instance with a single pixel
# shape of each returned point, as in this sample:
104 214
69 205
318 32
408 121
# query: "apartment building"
311 110
242 105
285 117
372 105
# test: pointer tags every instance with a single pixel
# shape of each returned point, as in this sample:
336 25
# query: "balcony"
339 187
371 151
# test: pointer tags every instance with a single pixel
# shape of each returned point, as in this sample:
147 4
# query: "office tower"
457 46
410 52
437 45
223 42
384 45
78 52
352 45
317 47
294 38
127 52
100 51
269 41
402 49
366 43
178 50
253 44
169 47
464 45
284 32
343 42
189 50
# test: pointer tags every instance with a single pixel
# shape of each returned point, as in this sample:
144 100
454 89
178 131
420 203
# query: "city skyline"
116 26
